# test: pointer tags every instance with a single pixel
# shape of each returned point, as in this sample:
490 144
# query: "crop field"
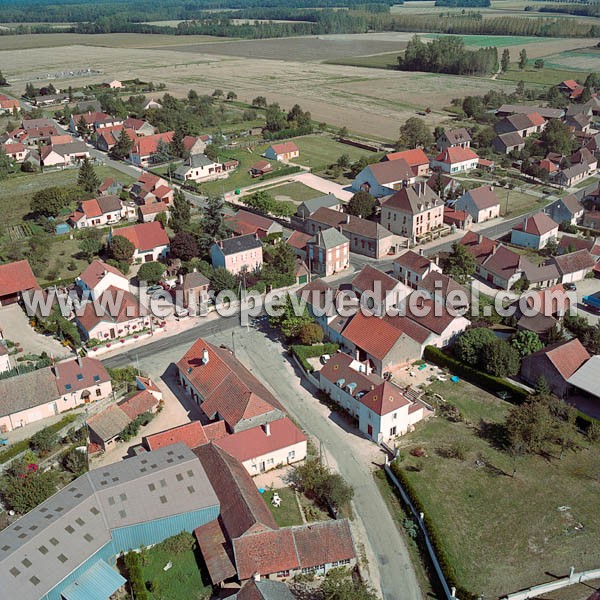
583 59
319 151
546 76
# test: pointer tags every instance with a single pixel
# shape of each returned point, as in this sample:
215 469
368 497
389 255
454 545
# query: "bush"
177 544
311 333
133 564
304 352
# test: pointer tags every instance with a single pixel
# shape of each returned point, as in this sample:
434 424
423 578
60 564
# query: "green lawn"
319 151
503 533
17 190
240 177
546 76
518 202
288 513
294 191
185 580
588 181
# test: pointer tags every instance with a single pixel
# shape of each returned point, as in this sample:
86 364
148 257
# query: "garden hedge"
304 352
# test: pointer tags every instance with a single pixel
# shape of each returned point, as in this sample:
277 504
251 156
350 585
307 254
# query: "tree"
343 132
87 178
460 264
526 342
163 152
212 152
259 102
362 204
520 89
522 59
221 279
539 63
275 118
469 346
25 487
30 91
151 272
279 266
557 137
592 81
184 246
231 95
542 388
180 213
343 161
528 427
339 584
82 128
91 243
3 81
48 202
500 359
415 133
585 96
6 164
121 249
289 322
176 146
213 222
311 333
337 491
218 93
43 441
472 106
505 60
122 149
76 462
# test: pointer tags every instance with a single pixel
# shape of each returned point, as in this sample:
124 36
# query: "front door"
262 466
55 408
112 333
370 430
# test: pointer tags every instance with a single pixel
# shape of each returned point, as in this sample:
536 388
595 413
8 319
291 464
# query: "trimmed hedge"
488 382
304 352
280 173
133 564
23 445
434 536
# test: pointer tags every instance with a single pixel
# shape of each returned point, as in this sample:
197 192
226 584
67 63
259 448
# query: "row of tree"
447 55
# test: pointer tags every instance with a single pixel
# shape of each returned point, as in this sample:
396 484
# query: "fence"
551 586
449 594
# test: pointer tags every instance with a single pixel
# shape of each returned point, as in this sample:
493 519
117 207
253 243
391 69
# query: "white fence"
551 586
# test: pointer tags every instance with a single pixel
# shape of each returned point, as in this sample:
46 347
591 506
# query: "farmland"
478 509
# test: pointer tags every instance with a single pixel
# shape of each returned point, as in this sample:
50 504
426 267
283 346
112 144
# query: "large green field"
319 151
17 190
387 60
546 76
295 191
502 532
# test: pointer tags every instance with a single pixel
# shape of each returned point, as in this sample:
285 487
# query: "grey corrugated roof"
266 590
586 377
44 546
109 423
200 160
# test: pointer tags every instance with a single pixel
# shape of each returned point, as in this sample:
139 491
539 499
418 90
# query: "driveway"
325 186
15 327
389 562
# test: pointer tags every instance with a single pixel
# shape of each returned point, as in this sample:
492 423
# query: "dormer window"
68 386
79 377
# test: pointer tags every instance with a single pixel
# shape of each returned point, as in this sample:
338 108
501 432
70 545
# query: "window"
393 431
98 392
283 574
270 461
292 454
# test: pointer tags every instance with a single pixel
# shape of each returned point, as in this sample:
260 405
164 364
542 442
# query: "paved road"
266 359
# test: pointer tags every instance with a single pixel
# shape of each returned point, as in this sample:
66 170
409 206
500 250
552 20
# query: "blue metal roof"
99 582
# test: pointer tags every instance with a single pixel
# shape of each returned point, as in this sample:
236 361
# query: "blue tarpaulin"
99 582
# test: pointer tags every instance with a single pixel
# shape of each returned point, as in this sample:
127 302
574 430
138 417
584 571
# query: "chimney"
479 238
372 387
340 229
180 279
267 429
79 361
56 373
421 252
525 223
347 219
256 576
220 244
205 357
256 235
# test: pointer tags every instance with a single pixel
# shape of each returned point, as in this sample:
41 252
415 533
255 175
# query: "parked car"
181 312
154 288
570 286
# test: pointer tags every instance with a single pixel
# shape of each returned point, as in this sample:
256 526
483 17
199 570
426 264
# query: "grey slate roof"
71 148
329 238
44 546
109 423
327 201
200 160
239 243
265 589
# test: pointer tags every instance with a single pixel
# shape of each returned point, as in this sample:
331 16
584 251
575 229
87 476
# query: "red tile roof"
571 84
216 551
478 245
106 184
147 145
324 542
144 236
91 117
367 278
141 402
119 306
153 208
338 368
484 197
391 171
96 271
375 336
299 239
412 261
414 157
16 277
265 553
575 261
536 118
91 208
437 318
244 222
566 357
284 148
538 224
215 431
80 374
191 434
227 388
456 154
384 399
13 149
254 442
